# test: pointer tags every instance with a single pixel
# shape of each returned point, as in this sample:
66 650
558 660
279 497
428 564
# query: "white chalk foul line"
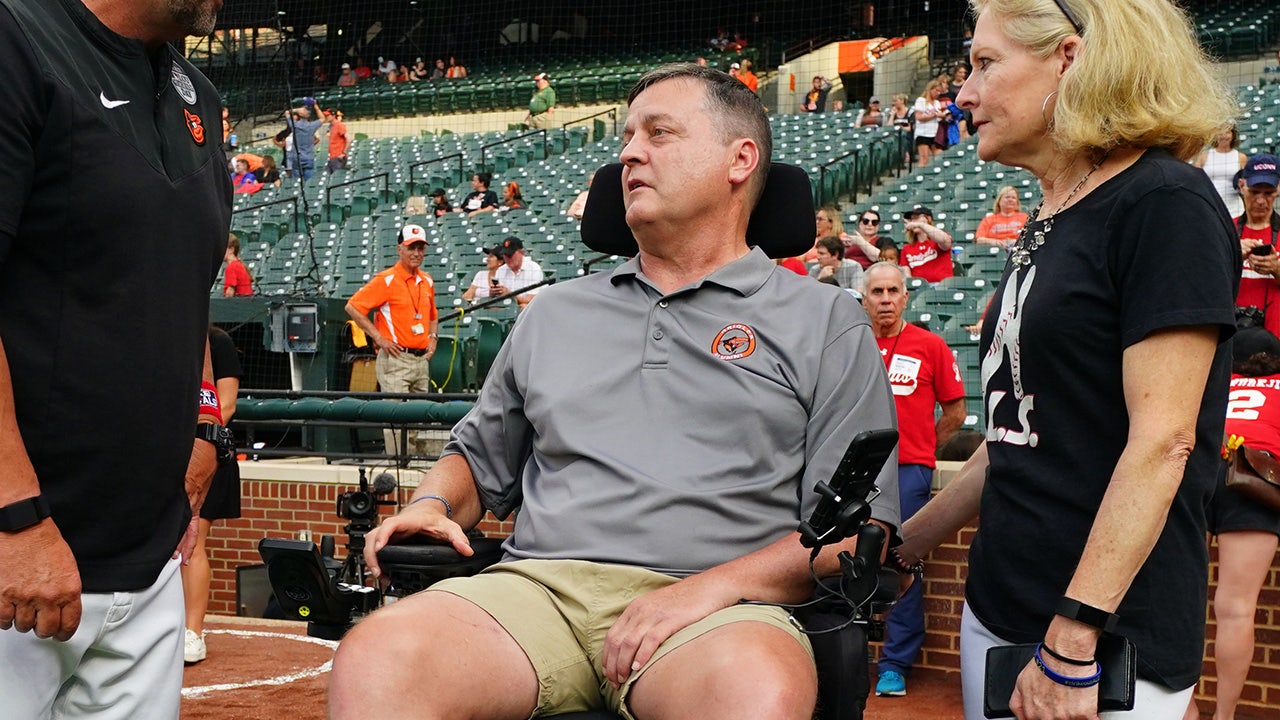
201 691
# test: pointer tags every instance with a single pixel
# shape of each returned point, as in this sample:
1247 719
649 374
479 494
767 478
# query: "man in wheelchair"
661 428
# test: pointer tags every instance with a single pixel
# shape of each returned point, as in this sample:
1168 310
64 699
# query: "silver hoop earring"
1044 105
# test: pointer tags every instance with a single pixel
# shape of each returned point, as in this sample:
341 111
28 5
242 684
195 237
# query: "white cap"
346 66
734 66
410 234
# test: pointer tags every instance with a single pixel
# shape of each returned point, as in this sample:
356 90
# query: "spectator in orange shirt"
404 328
338 139
1002 226
747 77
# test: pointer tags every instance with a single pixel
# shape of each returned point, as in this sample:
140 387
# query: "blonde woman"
928 112
1002 226
1104 365
1221 163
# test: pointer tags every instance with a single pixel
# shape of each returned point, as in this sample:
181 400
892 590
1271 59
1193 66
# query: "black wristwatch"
23 514
1073 609
221 437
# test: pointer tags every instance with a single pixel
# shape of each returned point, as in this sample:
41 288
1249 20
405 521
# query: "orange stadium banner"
861 55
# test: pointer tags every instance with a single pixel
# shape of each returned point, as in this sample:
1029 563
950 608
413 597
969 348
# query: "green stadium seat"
449 365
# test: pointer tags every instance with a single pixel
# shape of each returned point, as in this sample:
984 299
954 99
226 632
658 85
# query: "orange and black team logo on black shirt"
734 342
195 126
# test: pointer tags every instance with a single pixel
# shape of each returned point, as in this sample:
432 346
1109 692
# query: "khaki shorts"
558 611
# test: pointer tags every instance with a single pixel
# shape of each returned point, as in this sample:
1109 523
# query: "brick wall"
288 508
306 502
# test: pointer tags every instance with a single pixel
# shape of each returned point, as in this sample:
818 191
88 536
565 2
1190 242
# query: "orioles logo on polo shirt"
734 342
194 126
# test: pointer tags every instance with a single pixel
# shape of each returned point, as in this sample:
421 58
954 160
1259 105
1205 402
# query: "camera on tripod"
309 584
361 506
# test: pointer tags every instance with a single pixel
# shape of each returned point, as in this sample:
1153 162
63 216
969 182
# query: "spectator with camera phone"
1258 226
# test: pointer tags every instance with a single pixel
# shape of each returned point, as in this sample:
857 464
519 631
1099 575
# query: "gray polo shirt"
674 432
848 274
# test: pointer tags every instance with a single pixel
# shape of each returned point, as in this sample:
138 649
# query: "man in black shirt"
114 212
481 198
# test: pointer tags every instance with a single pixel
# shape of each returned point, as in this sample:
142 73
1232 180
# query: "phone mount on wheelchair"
863 588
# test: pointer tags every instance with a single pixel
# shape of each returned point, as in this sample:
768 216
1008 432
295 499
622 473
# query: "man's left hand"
652 618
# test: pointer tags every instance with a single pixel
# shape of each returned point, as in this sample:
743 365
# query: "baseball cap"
1261 169
542 76
918 210
412 234
734 66
873 99
1248 342
346 66
509 246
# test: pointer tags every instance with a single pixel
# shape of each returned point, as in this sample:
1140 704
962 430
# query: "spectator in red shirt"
923 374
236 280
1258 227
927 252
338 139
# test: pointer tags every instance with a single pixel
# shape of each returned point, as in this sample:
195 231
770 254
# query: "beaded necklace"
1027 241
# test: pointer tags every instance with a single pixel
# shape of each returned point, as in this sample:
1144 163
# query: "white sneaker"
193 649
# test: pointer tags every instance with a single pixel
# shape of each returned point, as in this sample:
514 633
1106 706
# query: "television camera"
309 584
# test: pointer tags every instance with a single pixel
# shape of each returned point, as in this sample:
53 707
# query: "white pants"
1151 700
124 662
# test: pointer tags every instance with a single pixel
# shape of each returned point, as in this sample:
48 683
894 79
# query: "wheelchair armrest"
418 562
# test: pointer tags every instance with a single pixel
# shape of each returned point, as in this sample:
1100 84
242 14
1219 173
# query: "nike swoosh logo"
108 104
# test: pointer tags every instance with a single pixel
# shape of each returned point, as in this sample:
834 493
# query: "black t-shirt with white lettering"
114 212
1151 248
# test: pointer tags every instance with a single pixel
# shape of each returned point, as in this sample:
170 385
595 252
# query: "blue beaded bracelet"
1075 682
448 509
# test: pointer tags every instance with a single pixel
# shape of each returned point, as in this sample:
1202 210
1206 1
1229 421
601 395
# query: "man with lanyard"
114 214
923 374
928 250
541 103
404 328
1258 226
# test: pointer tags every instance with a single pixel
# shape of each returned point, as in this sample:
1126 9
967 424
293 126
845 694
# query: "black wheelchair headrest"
781 224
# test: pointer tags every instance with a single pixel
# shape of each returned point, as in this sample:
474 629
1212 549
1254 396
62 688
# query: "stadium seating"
591 80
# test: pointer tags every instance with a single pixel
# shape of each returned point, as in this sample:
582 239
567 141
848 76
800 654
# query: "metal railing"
611 112
462 171
385 177
482 304
484 149
856 154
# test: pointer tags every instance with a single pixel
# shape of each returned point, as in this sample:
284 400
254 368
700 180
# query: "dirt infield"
270 670
257 670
